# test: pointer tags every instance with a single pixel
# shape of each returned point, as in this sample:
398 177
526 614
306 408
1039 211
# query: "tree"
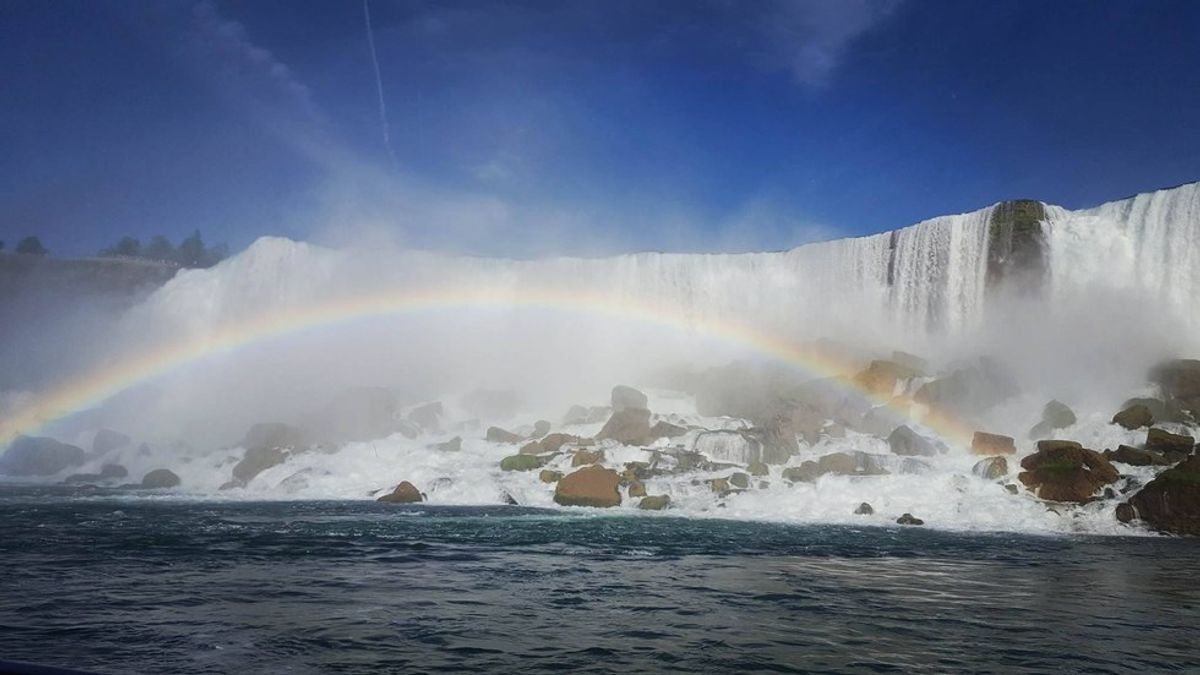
127 247
160 249
192 252
31 246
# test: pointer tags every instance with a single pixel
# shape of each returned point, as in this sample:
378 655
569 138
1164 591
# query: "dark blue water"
118 584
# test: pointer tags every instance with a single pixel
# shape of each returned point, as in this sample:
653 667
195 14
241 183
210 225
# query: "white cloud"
810 37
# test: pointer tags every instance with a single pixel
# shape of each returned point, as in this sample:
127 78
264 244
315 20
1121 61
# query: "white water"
1146 248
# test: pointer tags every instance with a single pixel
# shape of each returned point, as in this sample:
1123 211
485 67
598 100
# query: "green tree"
31 246
160 249
192 252
127 247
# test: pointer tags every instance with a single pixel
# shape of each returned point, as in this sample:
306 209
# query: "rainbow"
92 388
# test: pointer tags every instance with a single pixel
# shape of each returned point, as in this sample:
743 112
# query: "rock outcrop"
160 479
405 493
627 397
39 456
984 443
592 486
630 426
1170 502
1065 471
908 443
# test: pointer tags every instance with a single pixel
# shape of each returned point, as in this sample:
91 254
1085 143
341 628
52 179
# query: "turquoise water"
119 583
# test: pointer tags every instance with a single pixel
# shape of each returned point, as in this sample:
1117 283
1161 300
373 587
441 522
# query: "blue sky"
531 128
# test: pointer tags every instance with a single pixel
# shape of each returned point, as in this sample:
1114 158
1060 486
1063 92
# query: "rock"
39 456
159 479
452 445
837 463
113 471
1017 259
1055 415
521 463
255 461
728 446
548 476
912 362
654 503
1134 417
427 417
1126 513
108 473
991 468
881 421
590 486
637 489
491 404
363 414
548 443
630 426
1012 488
1171 502
498 435
1064 471
969 390
107 440
718 485
906 442
777 437
508 500
983 443
273 435
1166 443
663 429
405 493
540 429
881 377
758 469
1178 378
585 457
624 397
1134 457
576 414
740 480
909 519
864 509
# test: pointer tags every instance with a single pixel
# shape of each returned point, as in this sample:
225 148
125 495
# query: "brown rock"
991 468
881 377
1134 417
1171 502
405 493
1135 457
637 489
654 503
909 519
585 457
908 443
1064 471
984 443
548 476
758 469
1165 442
590 486
498 435
630 426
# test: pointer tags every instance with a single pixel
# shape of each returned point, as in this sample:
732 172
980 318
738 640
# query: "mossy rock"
521 463
654 503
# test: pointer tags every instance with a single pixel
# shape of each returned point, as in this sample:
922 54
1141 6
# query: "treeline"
191 252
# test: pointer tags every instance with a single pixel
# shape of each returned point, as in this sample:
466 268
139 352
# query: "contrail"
383 119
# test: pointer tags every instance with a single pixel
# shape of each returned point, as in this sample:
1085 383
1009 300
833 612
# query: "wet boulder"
984 443
1055 415
1171 446
882 377
908 443
540 429
1135 457
758 469
1170 502
630 426
363 414
654 503
585 457
160 479
637 489
548 476
255 461
991 468
970 389
405 493
452 445
864 509
663 429
837 463
521 463
592 486
498 435
624 397
740 480
1135 416
1065 471
909 519
108 473
428 417
548 443
107 440
39 456
777 438
1178 378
